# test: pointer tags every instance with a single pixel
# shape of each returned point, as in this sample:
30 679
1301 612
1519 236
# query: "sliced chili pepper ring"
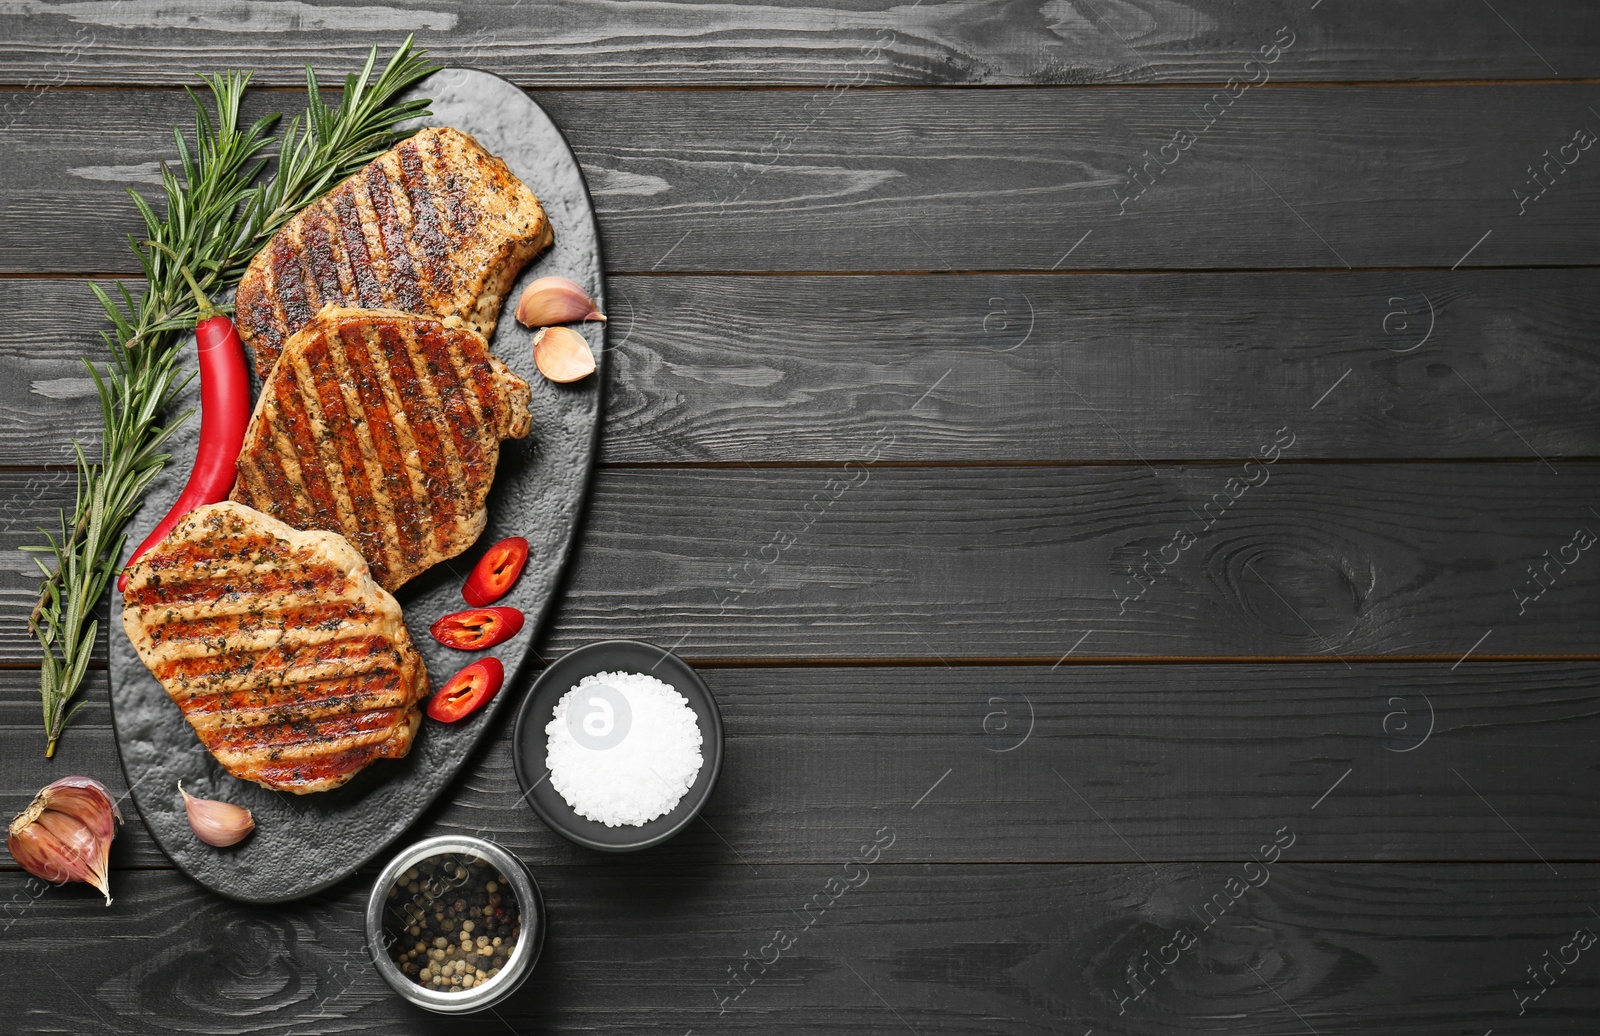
495 572
477 628
467 691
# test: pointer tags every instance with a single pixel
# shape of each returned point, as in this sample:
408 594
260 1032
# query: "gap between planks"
1029 661
830 463
1106 271
1194 84
368 873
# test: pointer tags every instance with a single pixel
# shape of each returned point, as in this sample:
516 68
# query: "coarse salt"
622 748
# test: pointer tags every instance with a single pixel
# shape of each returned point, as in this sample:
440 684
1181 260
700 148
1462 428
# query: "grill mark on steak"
431 421
355 250
295 428
318 249
436 225
182 558
297 738
489 404
453 188
340 435
305 699
265 479
313 700
403 419
178 591
383 423
403 282
477 380
284 479
327 617
263 671
456 417
296 693
338 513
439 478
292 774
288 291
430 237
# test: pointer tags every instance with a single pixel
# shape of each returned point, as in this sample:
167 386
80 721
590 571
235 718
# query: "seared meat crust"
293 667
385 427
436 226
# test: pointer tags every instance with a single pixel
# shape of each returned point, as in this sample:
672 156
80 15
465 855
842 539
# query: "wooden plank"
641 947
46 329
1327 560
1173 763
1118 367
1161 366
585 42
1314 561
959 179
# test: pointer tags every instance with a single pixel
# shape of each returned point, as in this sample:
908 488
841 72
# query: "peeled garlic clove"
562 355
65 833
217 823
555 300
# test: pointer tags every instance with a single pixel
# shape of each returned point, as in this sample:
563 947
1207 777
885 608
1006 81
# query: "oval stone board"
305 843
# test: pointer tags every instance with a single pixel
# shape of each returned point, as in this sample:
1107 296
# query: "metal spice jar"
455 924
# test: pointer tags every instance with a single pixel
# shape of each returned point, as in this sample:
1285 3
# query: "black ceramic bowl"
528 742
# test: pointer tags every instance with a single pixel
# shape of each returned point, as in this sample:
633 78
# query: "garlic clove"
65 833
562 355
72 835
217 823
555 300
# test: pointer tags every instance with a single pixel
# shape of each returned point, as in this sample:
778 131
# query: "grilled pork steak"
292 665
385 427
436 226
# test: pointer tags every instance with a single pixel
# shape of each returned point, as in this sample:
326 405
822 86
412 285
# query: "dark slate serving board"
303 844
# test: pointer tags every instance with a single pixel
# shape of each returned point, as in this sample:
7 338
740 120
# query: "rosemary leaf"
218 213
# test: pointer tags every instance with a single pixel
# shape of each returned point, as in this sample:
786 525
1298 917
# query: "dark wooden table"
1155 510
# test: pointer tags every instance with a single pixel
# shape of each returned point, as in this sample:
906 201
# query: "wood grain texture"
1053 823
934 180
588 42
1079 764
1317 560
1326 560
1161 366
1341 949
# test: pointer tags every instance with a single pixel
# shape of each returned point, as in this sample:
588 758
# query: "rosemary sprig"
218 215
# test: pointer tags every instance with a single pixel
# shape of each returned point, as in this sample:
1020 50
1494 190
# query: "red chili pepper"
224 418
494 573
467 691
478 628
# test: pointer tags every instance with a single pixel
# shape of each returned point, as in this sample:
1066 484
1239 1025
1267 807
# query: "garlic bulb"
65 833
562 355
555 300
217 823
